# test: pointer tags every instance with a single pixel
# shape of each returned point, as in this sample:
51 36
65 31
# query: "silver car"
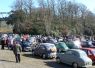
75 57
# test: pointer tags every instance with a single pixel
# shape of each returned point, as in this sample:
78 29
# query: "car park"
45 50
75 57
61 46
90 52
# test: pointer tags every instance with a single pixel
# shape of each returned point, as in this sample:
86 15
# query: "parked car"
90 52
88 44
73 45
26 46
53 41
75 57
93 42
45 50
61 46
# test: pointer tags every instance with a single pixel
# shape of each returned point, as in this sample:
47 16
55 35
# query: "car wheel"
58 60
75 65
43 56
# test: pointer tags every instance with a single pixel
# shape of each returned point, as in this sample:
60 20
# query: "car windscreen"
63 45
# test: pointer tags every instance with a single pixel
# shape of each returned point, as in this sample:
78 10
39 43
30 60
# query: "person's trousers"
17 56
2 46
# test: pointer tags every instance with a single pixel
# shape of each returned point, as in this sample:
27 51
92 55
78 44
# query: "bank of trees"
56 17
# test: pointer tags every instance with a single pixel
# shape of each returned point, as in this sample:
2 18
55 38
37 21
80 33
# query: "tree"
52 17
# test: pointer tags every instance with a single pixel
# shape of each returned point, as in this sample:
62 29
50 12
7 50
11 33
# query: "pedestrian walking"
17 51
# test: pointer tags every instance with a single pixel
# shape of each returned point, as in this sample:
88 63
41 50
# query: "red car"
90 52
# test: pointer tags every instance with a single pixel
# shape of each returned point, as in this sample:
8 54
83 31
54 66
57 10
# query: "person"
17 50
2 43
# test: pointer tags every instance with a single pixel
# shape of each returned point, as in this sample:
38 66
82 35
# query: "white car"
75 57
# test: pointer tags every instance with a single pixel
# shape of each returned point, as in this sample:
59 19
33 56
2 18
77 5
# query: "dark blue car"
26 46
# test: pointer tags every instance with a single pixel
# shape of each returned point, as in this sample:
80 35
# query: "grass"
5 30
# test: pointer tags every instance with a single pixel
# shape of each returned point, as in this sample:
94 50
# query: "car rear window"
50 46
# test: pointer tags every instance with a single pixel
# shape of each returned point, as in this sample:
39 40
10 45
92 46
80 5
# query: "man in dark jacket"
17 50
2 43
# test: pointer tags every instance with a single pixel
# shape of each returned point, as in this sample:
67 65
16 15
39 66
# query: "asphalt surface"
7 60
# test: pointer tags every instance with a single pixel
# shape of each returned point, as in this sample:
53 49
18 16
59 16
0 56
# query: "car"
26 46
61 46
73 44
45 50
75 57
90 52
87 44
53 41
93 42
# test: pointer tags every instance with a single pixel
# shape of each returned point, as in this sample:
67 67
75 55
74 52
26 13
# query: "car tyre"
58 60
74 65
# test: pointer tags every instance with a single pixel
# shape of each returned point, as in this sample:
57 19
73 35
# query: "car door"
37 50
41 50
67 57
90 54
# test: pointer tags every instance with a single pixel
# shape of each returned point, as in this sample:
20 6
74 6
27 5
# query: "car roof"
76 50
61 42
47 44
88 48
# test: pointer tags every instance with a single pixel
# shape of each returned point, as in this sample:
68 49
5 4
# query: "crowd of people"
12 42
17 42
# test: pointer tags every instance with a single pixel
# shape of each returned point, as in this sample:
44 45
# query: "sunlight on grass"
5 30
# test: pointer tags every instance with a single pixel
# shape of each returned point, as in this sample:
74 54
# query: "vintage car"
75 57
73 44
45 50
61 46
90 52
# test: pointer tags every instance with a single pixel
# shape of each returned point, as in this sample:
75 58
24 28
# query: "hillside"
4 27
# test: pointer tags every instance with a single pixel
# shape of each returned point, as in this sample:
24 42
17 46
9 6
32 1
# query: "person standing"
2 43
17 50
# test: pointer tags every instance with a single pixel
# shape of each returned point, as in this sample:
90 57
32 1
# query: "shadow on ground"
34 56
49 62
54 64
6 61
31 56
